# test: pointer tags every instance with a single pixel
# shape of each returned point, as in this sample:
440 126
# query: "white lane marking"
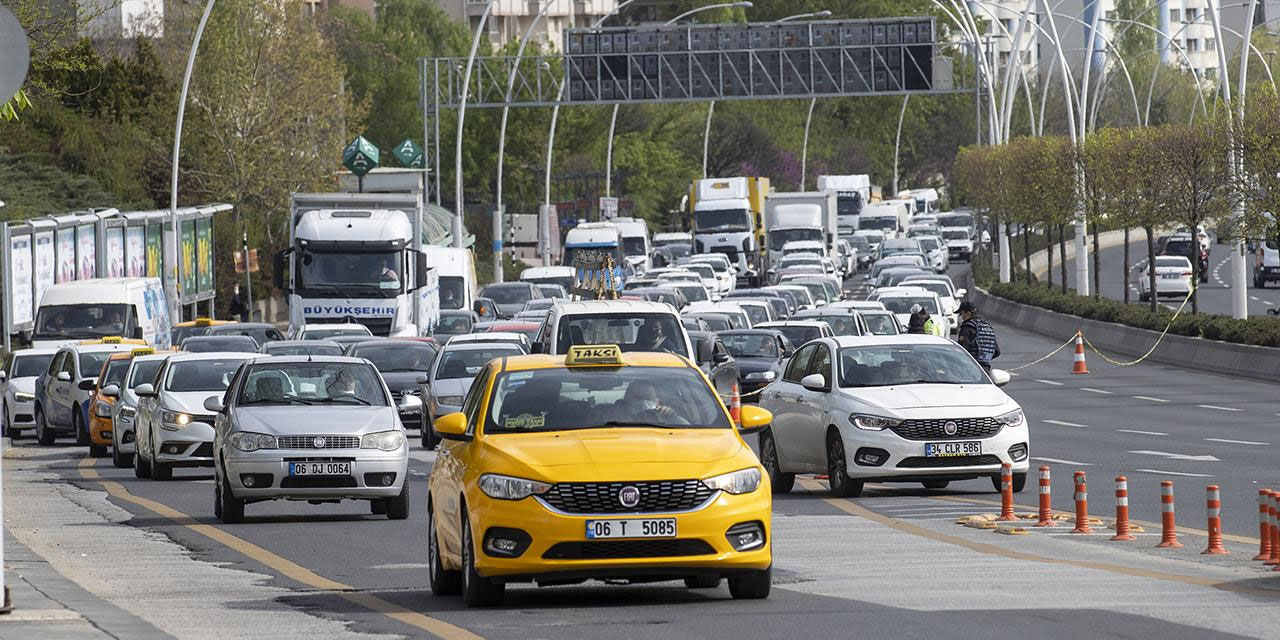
1070 462
1176 456
1062 423
1176 473
1143 433
1101 391
1052 382
1217 408
1257 444
1150 398
1255 298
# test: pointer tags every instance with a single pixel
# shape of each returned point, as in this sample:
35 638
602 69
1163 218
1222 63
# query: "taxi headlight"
509 488
23 396
1012 419
736 482
175 417
873 423
101 409
250 441
762 375
384 440
452 401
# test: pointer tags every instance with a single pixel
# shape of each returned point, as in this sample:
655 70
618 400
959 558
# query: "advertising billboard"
20 283
135 240
187 279
115 260
45 261
155 252
204 249
86 252
66 255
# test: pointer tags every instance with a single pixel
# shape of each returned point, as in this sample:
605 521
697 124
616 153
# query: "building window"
1193 45
1175 16
1210 44
1193 15
1110 15
1004 58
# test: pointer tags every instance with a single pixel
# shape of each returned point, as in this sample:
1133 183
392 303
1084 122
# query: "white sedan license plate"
952 449
631 528
319 468
1169 276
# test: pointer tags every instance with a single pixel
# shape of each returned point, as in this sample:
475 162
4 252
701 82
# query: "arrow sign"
361 156
409 154
1177 456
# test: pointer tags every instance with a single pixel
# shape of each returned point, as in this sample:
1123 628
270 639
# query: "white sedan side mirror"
814 382
1000 377
214 404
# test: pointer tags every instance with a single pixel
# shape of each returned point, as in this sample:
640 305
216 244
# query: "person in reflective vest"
977 336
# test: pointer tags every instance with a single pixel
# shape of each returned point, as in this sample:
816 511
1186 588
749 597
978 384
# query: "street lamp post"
808 118
462 116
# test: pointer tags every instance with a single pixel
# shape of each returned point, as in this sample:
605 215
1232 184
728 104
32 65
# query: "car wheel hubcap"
836 472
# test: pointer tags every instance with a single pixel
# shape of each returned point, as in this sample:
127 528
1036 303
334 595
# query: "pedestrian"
977 336
915 324
238 308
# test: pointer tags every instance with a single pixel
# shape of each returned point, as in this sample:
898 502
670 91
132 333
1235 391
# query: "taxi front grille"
662 496
936 429
609 549
952 461
326 442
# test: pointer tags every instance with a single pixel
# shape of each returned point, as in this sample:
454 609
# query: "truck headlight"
1012 419
101 409
736 482
249 441
23 396
873 423
509 488
762 375
383 440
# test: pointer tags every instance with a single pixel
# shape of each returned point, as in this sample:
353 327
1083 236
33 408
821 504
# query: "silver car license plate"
952 449
319 468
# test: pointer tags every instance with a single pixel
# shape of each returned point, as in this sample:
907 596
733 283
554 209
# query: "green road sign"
361 156
409 154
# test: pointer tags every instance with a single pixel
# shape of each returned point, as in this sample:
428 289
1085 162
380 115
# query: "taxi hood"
617 453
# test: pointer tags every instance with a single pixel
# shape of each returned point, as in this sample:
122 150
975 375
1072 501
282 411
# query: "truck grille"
627 549
602 497
377 326
936 429
309 442
954 461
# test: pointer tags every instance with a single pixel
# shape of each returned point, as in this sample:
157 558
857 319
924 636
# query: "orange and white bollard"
1122 510
1213 507
1169 527
1077 364
1273 525
1046 500
1006 493
735 405
1264 525
1082 504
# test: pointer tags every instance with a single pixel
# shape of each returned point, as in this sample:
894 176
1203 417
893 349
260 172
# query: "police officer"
977 336
922 323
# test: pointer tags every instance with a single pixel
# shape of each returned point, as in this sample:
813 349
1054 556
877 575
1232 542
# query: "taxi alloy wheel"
230 508
44 435
842 485
781 482
444 582
477 590
753 586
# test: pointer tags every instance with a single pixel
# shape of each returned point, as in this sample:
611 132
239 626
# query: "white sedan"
906 408
1173 277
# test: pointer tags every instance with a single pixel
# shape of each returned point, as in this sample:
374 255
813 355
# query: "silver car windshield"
882 366
310 383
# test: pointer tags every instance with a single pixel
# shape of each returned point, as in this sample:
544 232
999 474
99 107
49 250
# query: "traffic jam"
624 417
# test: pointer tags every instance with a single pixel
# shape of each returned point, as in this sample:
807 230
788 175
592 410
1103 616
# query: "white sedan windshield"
881 366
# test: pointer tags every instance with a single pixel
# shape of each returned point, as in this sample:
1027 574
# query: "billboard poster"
20 283
204 249
135 240
66 255
115 253
155 252
86 252
188 262
45 261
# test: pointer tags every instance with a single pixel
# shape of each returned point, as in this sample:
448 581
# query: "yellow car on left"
601 465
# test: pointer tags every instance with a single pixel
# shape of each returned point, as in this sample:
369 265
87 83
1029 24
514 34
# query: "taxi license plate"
631 528
952 449
319 468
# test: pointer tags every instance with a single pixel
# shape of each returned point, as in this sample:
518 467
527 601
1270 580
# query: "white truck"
853 192
798 216
890 218
728 218
359 257
588 243
635 242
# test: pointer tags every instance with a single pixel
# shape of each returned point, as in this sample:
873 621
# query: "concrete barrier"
1122 342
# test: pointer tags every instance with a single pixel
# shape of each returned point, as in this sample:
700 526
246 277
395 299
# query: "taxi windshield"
898 364
114 373
603 397
466 363
308 383
144 372
881 324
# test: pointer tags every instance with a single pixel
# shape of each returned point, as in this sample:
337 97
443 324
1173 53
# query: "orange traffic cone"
1078 365
735 406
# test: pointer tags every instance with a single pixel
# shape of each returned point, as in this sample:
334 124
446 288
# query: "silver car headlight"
101 409
127 414
762 375
23 396
509 488
383 440
1012 419
175 418
735 482
248 441
451 401
873 423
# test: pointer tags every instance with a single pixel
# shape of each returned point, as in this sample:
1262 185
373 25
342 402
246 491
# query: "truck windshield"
633 246
955 220
342 272
885 222
849 205
83 321
780 237
721 220
452 292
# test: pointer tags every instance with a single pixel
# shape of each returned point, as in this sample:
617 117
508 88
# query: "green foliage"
35 188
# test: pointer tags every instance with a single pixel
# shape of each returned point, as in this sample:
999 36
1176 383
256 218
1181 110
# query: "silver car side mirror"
214 404
814 382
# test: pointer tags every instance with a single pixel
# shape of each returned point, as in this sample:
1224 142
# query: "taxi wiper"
630 423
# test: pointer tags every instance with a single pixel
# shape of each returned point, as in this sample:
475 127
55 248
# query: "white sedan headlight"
509 488
384 440
736 482
767 376
249 441
126 414
175 417
23 396
1012 419
873 423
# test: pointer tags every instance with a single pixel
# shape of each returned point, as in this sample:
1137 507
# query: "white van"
633 325
457 272
563 276
635 242
98 307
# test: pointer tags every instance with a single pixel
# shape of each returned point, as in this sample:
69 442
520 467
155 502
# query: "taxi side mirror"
452 426
752 419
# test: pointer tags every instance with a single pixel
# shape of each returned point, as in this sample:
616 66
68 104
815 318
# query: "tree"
1257 141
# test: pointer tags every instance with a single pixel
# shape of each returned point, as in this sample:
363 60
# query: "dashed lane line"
1143 433
1049 382
1070 462
1218 408
285 567
1176 473
1064 423
1248 442
1103 392
1149 398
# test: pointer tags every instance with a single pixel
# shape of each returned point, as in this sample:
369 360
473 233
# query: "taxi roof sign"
112 340
143 351
203 322
595 354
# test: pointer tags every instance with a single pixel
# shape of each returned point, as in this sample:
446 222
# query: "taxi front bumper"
555 547
100 430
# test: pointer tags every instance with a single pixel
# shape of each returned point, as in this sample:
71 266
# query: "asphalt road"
1214 295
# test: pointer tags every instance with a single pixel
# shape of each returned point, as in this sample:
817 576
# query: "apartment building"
510 19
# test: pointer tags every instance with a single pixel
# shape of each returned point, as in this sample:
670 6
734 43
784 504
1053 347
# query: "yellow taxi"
113 340
597 464
100 425
198 327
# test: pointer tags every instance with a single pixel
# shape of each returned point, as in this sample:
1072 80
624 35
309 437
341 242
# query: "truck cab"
853 192
728 218
635 242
